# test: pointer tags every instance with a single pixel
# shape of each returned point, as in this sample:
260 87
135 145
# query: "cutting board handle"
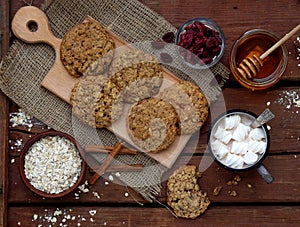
30 15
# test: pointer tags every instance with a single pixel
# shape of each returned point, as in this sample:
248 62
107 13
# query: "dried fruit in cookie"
189 204
152 124
169 37
137 74
87 47
190 104
96 101
184 195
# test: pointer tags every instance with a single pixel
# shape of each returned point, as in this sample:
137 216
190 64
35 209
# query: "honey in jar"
256 42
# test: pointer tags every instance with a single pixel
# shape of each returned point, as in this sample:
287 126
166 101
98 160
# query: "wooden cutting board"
61 83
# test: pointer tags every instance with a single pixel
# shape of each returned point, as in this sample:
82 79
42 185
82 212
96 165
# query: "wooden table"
256 203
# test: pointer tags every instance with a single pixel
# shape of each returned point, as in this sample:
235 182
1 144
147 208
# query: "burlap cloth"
26 65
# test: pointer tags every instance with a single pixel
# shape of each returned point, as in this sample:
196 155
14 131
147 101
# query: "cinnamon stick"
123 168
106 163
107 149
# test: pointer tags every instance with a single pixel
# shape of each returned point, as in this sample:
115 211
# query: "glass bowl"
257 41
32 156
200 56
233 152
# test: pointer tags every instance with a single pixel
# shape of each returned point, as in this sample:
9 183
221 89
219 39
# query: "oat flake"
289 100
52 164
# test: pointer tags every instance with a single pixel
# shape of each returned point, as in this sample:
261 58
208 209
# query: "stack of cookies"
106 81
184 195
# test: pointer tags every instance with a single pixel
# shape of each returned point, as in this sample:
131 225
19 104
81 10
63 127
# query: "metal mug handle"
265 174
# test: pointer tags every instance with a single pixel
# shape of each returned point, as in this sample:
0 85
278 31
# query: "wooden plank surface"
236 17
256 203
4 109
283 189
271 216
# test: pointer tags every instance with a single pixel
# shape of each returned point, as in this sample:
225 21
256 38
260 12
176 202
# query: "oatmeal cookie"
137 74
184 194
189 204
152 124
190 104
87 47
96 101
184 179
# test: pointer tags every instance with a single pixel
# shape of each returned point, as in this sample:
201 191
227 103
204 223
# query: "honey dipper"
251 65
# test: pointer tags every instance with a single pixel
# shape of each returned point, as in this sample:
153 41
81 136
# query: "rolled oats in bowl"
51 164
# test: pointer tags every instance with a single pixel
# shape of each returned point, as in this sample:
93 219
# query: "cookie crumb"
217 190
234 181
232 193
237 178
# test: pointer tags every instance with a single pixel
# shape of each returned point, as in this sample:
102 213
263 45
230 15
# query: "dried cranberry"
166 58
211 42
200 26
201 41
216 50
158 44
169 37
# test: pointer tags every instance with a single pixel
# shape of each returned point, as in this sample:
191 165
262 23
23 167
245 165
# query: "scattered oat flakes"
110 177
269 127
95 194
54 219
289 99
295 156
249 185
52 164
83 188
126 194
35 217
268 103
12 161
106 183
19 223
217 190
92 212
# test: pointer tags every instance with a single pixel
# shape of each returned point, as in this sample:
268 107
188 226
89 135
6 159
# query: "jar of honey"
256 42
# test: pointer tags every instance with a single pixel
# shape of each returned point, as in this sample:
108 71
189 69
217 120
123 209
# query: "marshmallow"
257 134
238 164
219 149
239 147
236 144
230 159
232 121
250 158
257 146
241 132
223 135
